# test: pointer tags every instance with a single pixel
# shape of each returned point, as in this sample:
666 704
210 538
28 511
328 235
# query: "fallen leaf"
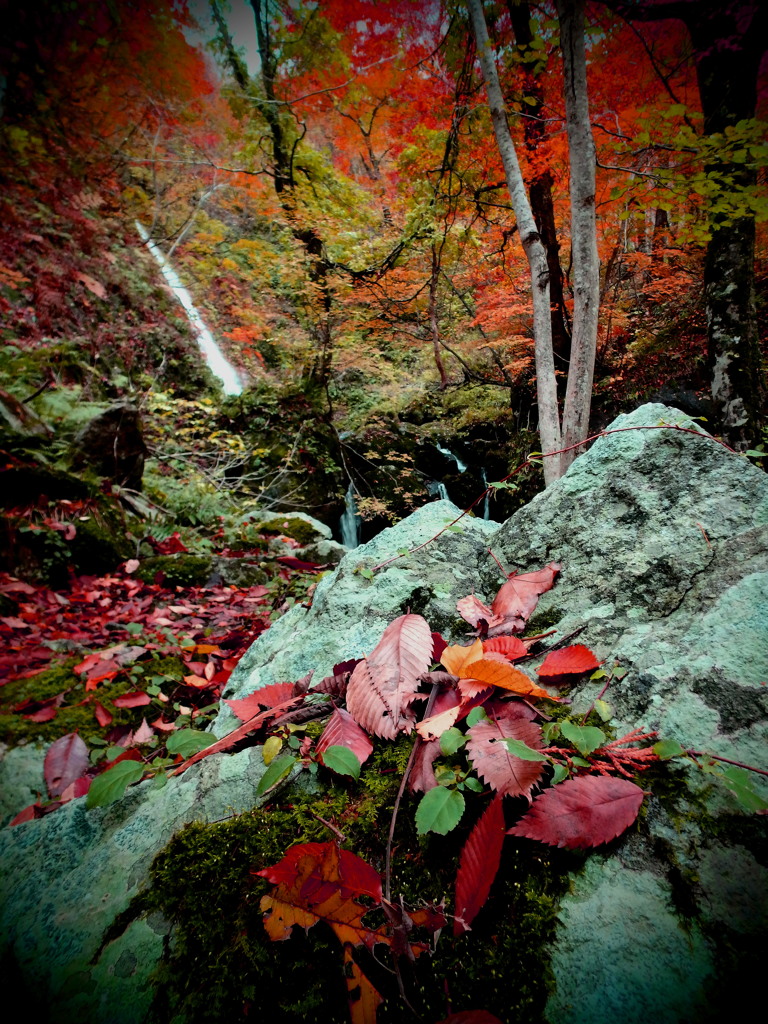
65 761
135 699
478 865
380 686
507 774
582 812
568 661
342 730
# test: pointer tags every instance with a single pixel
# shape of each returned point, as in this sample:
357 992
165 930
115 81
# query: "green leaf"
579 762
342 760
665 749
523 751
276 771
451 740
271 749
604 709
559 774
111 785
367 574
188 742
133 627
475 715
454 529
439 810
474 784
755 453
159 780
739 781
585 738
550 731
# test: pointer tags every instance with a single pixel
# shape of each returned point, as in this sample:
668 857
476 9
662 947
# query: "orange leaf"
569 661
456 657
497 673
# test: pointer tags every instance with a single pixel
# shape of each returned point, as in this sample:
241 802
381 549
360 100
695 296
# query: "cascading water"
437 489
218 363
487 501
350 524
450 455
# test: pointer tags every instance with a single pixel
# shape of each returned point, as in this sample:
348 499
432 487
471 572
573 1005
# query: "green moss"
220 964
179 570
72 716
289 526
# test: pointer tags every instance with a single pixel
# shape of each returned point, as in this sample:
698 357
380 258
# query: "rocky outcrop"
663 540
112 444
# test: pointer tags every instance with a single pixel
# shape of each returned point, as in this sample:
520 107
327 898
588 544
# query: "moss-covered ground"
219 963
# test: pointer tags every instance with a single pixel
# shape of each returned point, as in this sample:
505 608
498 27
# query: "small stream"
218 363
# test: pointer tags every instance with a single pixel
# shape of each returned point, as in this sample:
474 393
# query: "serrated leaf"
451 741
343 731
277 770
111 785
188 742
342 761
581 813
439 810
585 738
382 684
494 763
478 865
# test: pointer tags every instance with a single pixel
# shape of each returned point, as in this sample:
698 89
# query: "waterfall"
350 523
487 501
218 364
449 454
437 489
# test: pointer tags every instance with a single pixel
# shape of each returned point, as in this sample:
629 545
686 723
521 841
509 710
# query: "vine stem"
396 808
530 461
727 760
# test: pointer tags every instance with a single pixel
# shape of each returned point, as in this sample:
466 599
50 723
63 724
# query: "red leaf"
472 610
103 717
306 863
28 814
65 761
267 697
518 597
343 731
494 763
296 563
479 862
438 646
378 691
512 647
77 788
135 699
569 661
170 546
582 812
47 710
161 724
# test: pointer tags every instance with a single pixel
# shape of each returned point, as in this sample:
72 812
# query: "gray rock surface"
663 540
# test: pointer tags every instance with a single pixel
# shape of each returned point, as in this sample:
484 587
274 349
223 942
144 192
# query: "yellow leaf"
456 658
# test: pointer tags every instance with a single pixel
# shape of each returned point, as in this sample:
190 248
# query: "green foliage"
440 810
188 742
342 761
111 784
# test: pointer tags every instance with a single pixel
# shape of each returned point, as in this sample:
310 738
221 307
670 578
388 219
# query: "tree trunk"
434 330
540 188
586 262
546 388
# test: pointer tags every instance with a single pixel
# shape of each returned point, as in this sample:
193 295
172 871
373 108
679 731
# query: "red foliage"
509 775
342 730
582 812
478 864
569 661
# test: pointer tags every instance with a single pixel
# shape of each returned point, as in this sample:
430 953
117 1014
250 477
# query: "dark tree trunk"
540 188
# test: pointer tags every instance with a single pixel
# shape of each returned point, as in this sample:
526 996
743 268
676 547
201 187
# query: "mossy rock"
220 963
296 525
179 570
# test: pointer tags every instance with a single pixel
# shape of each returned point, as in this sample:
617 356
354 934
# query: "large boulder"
663 540
112 444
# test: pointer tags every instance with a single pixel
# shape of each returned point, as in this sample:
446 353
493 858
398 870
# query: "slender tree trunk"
434 330
540 188
546 388
586 262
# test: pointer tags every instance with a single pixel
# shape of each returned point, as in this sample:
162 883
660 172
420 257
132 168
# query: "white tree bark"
585 259
546 388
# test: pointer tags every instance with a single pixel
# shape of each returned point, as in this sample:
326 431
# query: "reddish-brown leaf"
512 647
473 611
77 788
569 661
493 762
582 812
28 814
381 685
518 597
134 699
65 761
103 717
343 731
267 697
478 864
47 710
